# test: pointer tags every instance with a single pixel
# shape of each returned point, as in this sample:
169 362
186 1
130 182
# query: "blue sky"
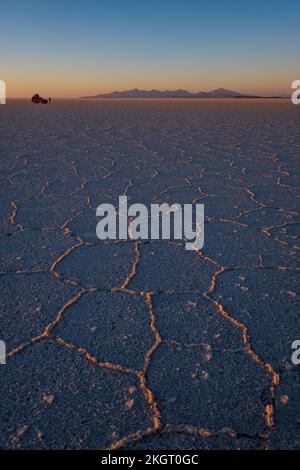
85 47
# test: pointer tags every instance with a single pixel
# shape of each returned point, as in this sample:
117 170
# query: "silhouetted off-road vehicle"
37 99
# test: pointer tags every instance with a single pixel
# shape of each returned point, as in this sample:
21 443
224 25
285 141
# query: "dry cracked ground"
145 345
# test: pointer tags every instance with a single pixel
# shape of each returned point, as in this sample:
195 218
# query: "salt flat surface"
147 345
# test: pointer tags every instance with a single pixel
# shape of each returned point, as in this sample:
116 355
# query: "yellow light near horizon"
66 84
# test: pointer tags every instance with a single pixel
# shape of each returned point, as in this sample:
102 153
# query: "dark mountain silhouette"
136 93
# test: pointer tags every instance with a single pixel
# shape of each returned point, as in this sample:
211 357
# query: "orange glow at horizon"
68 84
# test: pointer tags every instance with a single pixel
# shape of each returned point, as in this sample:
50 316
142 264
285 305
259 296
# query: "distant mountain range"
136 93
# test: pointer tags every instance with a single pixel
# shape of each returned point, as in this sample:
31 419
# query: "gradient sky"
67 48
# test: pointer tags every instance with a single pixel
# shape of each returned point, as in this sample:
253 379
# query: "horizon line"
93 98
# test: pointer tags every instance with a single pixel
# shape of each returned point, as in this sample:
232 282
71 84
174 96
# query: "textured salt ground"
125 318
28 303
259 297
148 345
60 400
